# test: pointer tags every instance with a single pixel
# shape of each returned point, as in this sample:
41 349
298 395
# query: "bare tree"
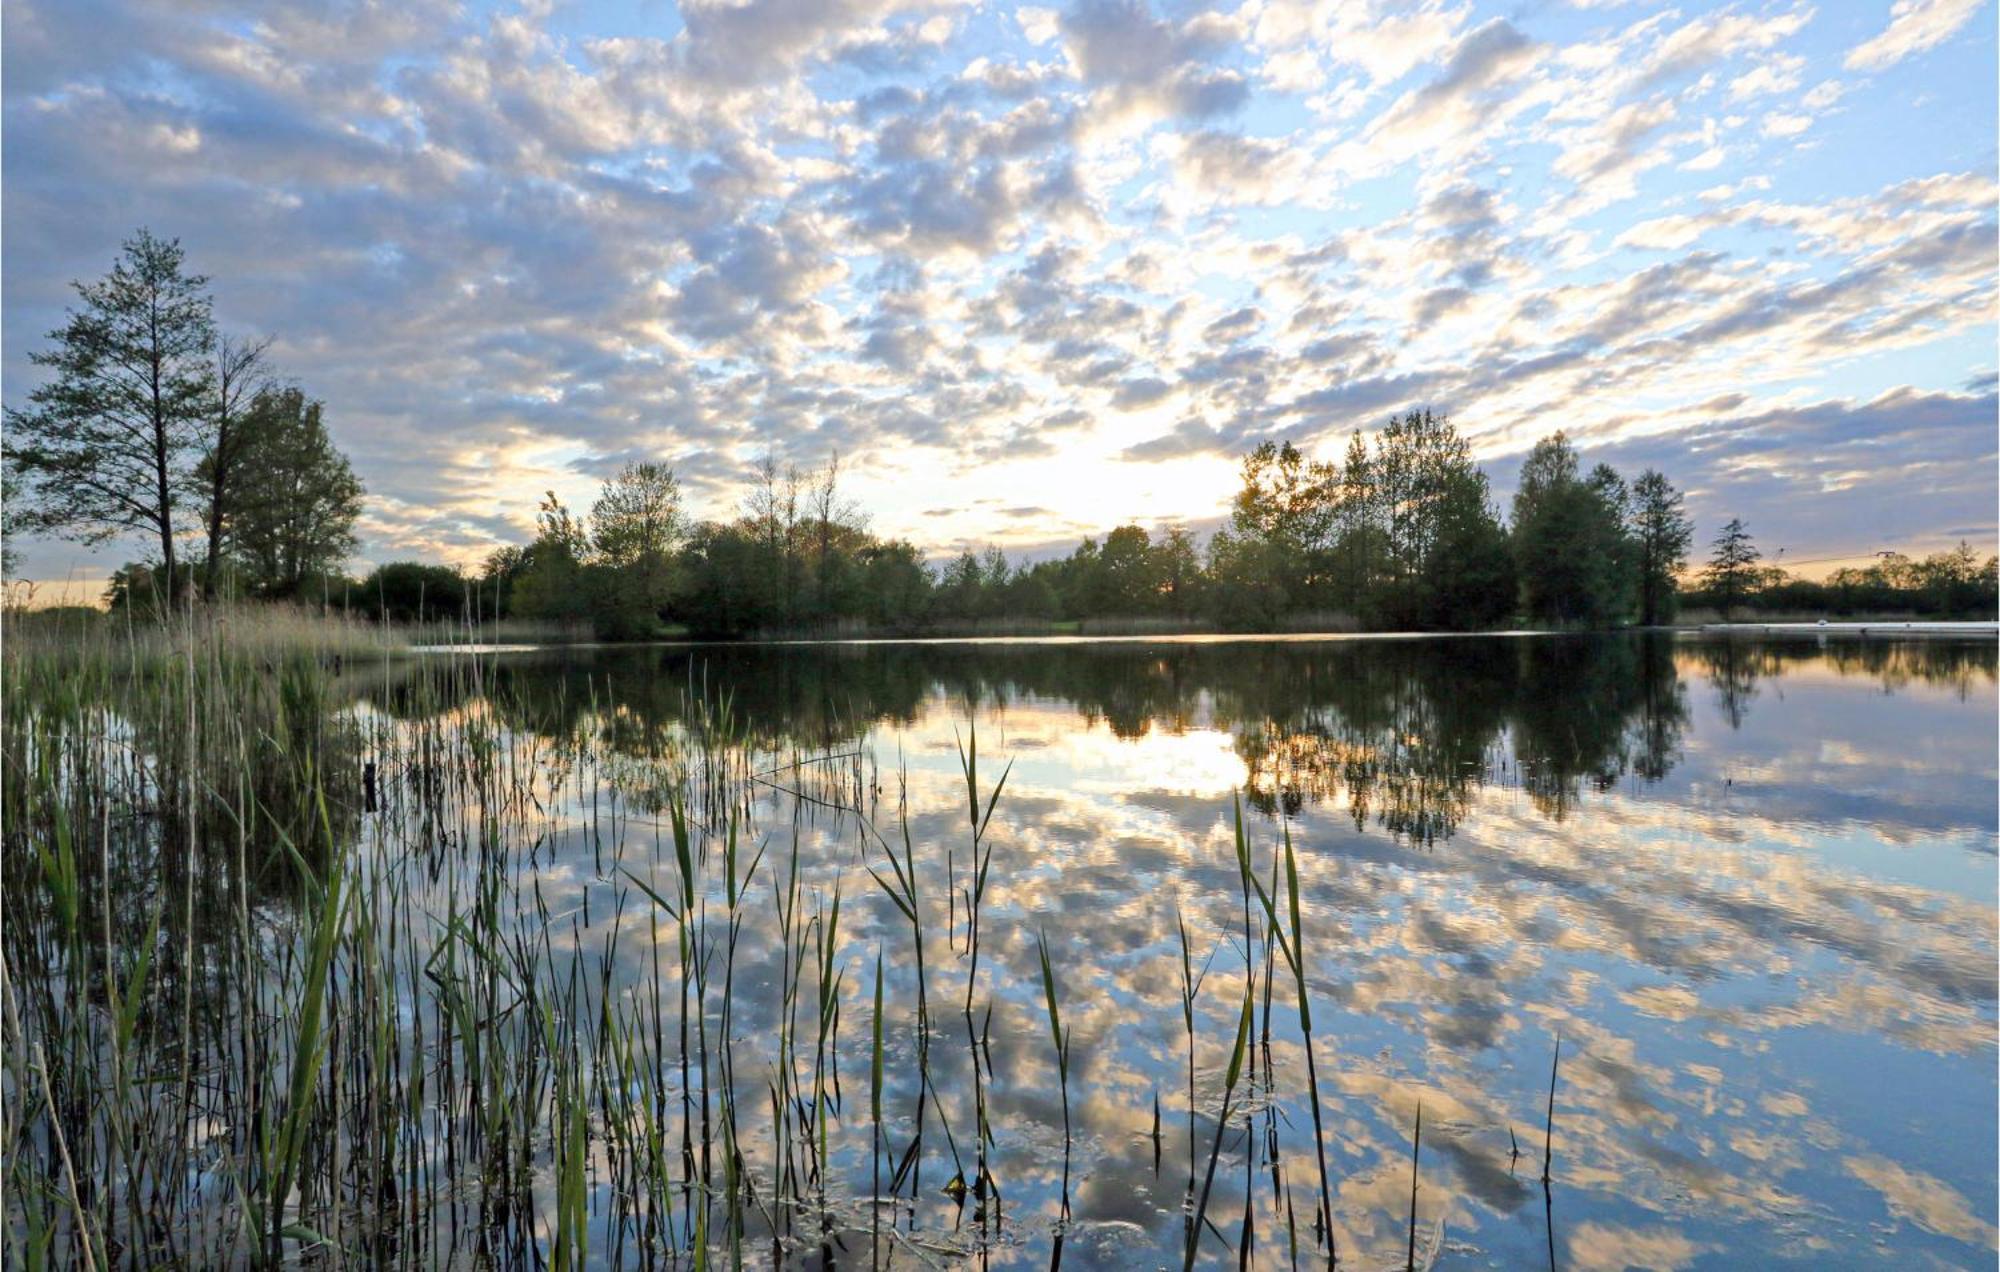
773 510
831 517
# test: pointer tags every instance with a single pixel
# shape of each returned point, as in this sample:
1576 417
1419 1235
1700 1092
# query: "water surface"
1750 886
1746 886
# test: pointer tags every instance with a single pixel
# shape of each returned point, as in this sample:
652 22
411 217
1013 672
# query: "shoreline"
1880 631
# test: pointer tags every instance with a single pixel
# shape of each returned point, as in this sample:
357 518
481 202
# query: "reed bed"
319 953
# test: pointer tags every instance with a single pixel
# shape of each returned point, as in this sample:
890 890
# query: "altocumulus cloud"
1082 254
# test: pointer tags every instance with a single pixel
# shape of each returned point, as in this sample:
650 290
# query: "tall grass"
314 952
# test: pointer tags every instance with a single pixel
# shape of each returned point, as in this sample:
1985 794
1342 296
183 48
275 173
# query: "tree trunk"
213 564
173 588
165 482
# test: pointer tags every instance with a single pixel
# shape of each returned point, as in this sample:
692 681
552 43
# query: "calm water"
1750 885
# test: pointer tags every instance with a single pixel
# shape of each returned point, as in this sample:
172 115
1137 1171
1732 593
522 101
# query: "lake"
1748 884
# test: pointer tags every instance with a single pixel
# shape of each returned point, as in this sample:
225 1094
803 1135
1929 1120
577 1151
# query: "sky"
1034 272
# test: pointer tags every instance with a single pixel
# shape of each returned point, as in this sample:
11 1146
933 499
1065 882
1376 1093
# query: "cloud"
1925 1200
1830 477
511 249
1132 395
1483 59
1190 437
1237 170
1153 65
1914 26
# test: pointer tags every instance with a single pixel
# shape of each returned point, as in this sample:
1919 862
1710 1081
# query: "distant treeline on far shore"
1401 534
153 421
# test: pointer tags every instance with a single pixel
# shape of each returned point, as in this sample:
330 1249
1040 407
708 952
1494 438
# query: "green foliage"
150 423
109 442
410 591
296 499
1661 531
1443 548
137 588
1273 556
1401 533
1731 573
237 381
1570 545
1247 581
1955 584
552 584
636 524
1466 577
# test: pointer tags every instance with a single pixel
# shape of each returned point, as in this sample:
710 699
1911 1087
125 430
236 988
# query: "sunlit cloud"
1079 254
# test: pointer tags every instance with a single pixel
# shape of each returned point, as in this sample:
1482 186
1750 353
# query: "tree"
1569 539
897 585
1467 579
836 523
723 594
1732 566
1284 496
1951 581
1177 566
1272 557
961 588
772 513
1360 541
1442 547
637 521
411 591
292 505
1286 504
1127 584
552 585
1661 532
238 381
10 494
1246 582
1417 456
135 587
1031 591
1612 544
636 525
108 442
502 569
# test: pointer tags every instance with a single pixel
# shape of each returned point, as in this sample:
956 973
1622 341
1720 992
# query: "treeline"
153 422
1403 533
1946 585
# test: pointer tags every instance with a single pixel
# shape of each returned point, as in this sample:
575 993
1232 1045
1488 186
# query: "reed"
1549 1126
1060 1037
317 951
1229 1081
1416 1152
1290 933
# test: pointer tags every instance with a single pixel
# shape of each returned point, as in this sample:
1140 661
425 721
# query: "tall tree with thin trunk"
1732 566
108 443
1662 532
239 378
